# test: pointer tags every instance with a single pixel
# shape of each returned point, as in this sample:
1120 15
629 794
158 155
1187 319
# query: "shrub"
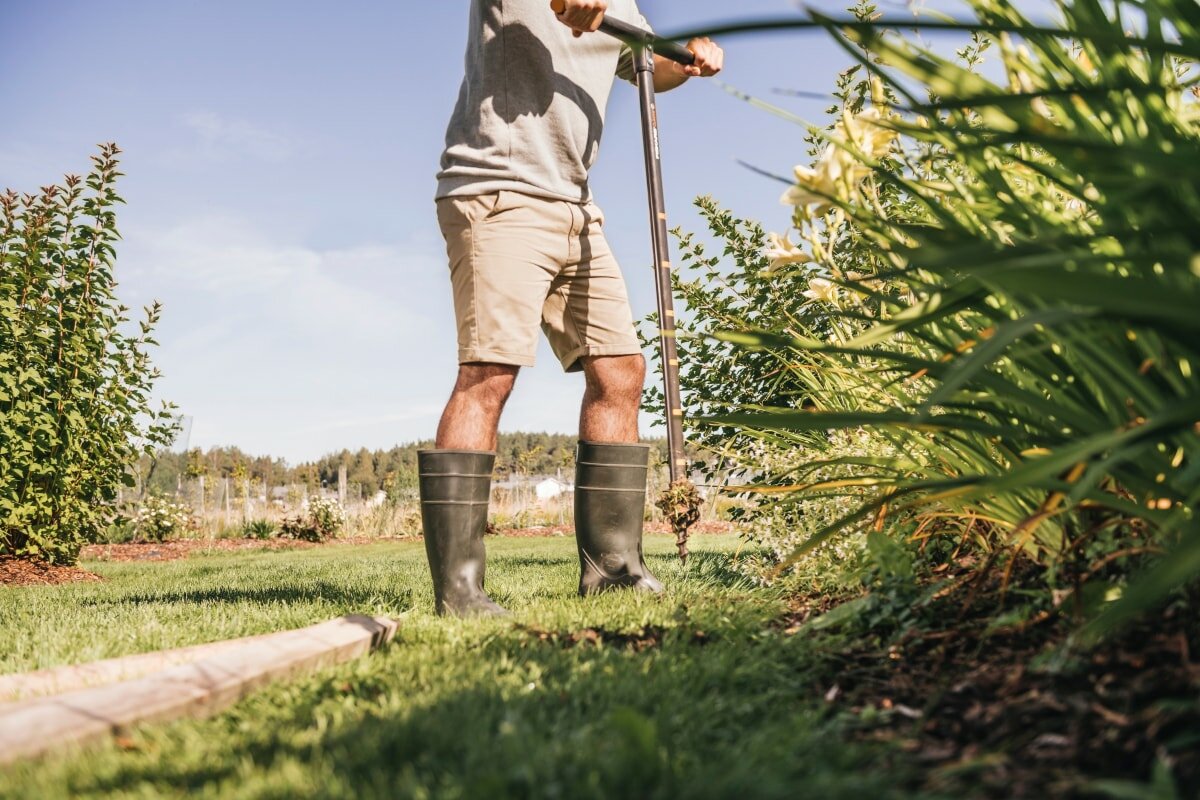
321 519
75 411
161 518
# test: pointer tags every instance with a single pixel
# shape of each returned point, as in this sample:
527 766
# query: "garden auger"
680 503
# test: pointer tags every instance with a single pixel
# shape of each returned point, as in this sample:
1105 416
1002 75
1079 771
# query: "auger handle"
637 37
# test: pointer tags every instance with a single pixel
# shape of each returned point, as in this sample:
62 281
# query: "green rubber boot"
455 488
610 504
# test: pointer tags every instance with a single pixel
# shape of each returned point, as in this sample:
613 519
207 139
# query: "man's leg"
610 478
472 414
456 480
612 398
502 263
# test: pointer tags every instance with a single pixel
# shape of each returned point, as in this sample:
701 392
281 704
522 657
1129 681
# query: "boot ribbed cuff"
611 467
455 477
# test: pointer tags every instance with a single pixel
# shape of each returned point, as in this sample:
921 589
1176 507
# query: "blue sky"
280 161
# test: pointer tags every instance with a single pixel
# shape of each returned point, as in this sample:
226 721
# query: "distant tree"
196 463
393 471
529 460
361 471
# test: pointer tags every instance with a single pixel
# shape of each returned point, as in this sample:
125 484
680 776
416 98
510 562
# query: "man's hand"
710 59
581 16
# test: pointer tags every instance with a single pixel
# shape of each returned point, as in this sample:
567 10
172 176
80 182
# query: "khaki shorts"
517 261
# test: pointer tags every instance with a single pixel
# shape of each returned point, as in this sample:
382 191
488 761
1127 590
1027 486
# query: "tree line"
390 470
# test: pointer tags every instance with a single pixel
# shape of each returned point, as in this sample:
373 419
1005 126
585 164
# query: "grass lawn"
695 694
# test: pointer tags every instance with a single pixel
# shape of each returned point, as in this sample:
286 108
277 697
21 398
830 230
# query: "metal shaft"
644 64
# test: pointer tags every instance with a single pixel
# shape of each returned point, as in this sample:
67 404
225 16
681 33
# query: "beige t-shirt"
530 112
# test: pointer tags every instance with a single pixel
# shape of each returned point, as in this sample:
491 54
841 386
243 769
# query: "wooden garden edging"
197 689
58 680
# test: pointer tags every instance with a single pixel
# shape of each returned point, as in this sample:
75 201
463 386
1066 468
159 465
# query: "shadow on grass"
731 717
529 561
339 595
710 568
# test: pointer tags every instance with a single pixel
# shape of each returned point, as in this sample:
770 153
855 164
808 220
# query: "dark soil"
24 572
1016 712
644 638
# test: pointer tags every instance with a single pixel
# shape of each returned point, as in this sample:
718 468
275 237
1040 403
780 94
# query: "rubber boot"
455 488
610 504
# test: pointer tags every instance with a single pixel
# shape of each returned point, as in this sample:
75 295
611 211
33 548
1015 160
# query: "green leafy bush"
996 284
320 520
75 384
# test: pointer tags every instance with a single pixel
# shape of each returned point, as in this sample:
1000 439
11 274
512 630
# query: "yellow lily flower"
781 252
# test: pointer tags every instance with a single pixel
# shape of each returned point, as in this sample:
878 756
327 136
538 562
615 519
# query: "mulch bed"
1014 712
182 548
23 572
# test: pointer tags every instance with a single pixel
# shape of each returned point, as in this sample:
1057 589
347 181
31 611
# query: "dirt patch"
642 639
1014 712
25 572
803 609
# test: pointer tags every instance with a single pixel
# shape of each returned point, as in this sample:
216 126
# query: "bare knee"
487 385
616 378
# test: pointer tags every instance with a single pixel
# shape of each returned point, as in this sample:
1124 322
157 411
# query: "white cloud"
288 349
220 137
227 268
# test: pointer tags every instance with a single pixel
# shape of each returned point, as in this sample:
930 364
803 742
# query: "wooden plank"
198 689
69 678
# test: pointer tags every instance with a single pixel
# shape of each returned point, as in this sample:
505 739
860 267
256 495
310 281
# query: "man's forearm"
709 59
667 75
